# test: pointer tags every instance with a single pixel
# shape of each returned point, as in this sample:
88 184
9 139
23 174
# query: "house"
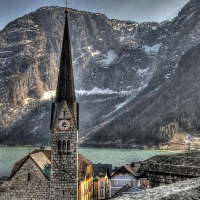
30 178
101 177
85 189
127 175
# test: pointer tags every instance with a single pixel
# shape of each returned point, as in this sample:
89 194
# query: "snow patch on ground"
49 95
153 49
28 100
96 90
142 71
164 36
130 98
111 56
92 51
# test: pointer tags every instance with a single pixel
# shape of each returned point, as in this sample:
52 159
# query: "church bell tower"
64 129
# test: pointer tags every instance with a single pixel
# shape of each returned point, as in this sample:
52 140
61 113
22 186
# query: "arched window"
68 145
64 145
59 145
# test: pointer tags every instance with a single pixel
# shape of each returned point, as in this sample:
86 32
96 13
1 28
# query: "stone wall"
19 188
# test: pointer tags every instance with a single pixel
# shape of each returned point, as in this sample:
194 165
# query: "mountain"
168 105
106 54
123 76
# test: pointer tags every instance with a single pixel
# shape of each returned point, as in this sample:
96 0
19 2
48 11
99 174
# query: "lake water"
116 157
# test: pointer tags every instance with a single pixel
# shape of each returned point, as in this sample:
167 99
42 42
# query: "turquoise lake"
116 157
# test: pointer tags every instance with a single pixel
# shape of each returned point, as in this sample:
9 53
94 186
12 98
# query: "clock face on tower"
64 125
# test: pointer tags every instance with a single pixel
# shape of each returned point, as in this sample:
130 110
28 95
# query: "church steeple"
65 86
64 129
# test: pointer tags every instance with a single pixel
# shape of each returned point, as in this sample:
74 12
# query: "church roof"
65 86
43 160
65 91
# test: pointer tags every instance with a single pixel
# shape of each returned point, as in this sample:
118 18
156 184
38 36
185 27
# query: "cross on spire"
66 3
29 150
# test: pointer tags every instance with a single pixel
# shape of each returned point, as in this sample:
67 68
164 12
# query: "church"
59 173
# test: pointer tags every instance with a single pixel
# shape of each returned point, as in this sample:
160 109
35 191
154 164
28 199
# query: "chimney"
42 149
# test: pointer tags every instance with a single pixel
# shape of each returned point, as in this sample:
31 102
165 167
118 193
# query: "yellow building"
85 187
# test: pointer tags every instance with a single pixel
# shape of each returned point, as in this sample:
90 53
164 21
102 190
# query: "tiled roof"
126 169
82 162
100 171
42 162
108 166
42 159
17 165
119 192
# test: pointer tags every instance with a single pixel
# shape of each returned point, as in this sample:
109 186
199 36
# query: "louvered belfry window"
64 145
68 145
59 145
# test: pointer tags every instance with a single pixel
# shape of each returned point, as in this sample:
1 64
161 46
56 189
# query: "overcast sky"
135 10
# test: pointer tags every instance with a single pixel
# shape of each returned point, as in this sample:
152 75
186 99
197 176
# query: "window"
120 174
116 191
101 184
116 182
29 176
68 145
131 183
63 192
59 145
126 174
101 192
125 182
64 145
143 181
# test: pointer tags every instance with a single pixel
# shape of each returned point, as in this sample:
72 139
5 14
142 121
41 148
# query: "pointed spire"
65 86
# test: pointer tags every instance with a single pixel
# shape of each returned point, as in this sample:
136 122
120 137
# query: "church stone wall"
19 188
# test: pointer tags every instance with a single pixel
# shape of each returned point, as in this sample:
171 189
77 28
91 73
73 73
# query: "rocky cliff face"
106 54
120 68
166 106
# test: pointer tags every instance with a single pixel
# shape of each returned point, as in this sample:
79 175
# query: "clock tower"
64 129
